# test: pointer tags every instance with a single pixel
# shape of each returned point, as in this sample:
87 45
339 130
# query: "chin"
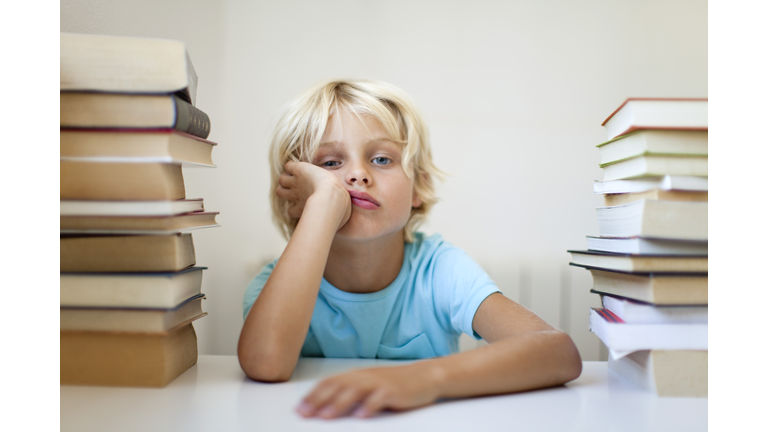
361 229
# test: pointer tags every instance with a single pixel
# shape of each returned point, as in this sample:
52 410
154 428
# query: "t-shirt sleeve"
254 288
459 287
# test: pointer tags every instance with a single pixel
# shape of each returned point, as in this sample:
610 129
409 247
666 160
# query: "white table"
215 395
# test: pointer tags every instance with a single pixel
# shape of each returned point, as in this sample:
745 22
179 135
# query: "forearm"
277 324
521 362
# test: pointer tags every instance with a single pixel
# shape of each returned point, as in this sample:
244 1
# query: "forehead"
344 125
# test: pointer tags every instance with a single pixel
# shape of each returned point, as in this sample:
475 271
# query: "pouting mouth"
362 196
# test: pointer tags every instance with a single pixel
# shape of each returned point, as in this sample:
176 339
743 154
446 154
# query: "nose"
357 173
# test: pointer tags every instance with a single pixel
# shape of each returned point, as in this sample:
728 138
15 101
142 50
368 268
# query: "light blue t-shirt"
419 315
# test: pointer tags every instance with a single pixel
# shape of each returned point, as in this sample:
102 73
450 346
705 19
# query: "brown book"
131 320
670 373
126 253
131 111
137 224
120 181
126 359
148 146
655 288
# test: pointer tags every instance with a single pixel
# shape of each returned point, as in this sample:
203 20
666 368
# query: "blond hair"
299 130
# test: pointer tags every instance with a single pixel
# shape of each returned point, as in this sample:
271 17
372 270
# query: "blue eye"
330 163
381 160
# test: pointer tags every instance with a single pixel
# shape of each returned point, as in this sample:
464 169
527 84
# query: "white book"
646 113
645 184
129 208
646 246
624 337
632 312
658 219
658 142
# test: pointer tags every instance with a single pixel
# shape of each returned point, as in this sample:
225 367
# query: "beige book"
657 219
81 180
130 290
125 65
674 289
126 253
126 359
133 320
146 146
655 194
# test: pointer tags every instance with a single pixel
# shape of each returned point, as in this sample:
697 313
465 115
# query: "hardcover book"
90 110
126 359
126 253
646 246
634 312
158 290
145 145
656 288
116 64
657 113
654 142
130 320
130 208
640 263
658 219
137 224
620 336
85 180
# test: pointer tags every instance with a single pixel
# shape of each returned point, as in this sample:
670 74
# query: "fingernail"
360 412
304 408
327 412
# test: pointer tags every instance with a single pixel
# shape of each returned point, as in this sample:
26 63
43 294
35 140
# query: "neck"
365 266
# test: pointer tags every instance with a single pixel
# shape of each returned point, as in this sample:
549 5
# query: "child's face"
358 152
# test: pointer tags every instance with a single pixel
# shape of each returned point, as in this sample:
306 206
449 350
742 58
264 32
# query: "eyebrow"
371 141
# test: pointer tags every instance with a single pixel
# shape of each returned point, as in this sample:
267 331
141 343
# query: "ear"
415 200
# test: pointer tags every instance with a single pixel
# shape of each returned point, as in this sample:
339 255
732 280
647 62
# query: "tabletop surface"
215 394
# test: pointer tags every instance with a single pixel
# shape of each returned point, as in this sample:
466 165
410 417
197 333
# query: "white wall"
514 93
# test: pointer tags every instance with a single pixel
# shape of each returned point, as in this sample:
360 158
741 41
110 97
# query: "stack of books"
649 264
129 287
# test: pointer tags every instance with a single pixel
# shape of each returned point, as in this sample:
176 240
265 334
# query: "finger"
286 180
286 194
375 402
290 167
317 398
341 403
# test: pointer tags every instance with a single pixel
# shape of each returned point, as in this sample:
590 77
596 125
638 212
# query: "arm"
276 326
524 353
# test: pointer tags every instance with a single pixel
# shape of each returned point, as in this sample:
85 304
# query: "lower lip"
364 204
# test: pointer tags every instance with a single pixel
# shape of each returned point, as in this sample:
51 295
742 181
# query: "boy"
352 178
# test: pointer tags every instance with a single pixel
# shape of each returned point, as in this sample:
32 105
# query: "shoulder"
254 288
434 251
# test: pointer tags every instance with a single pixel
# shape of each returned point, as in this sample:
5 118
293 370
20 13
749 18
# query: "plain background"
514 94
738 90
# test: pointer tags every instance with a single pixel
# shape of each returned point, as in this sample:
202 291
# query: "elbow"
263 366
571 364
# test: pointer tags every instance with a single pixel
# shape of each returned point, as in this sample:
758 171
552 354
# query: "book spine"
191 120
